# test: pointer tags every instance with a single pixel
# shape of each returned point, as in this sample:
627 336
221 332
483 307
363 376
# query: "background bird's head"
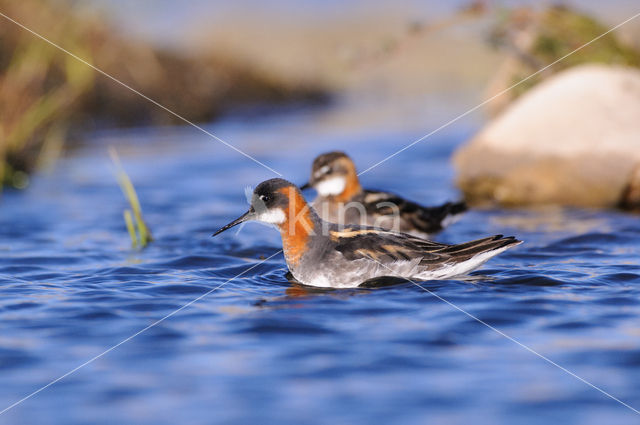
332 173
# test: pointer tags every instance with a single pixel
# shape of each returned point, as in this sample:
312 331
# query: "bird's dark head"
332 174
274 201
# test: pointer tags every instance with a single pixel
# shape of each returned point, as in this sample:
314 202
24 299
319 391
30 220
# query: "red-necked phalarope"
342 200
322 254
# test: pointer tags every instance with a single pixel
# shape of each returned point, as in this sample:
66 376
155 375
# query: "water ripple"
263 348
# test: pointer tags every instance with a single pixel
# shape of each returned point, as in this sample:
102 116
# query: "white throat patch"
332 186
272 216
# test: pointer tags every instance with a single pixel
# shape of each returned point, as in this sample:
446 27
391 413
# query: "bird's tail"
468 256
492 245
450 212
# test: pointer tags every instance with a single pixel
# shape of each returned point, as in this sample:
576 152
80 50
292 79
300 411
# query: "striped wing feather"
387 247
425 219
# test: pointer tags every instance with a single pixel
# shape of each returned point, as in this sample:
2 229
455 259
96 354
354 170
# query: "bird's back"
347 256
389 210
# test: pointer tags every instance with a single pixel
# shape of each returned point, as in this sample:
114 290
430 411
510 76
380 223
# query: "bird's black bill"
244 217
305 186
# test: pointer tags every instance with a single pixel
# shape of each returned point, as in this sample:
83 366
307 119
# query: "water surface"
261 349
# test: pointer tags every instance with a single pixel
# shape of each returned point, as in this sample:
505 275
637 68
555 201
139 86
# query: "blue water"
261 349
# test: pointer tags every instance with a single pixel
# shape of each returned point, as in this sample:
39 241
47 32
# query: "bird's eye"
265 198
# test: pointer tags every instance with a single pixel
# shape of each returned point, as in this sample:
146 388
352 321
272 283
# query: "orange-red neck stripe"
298 226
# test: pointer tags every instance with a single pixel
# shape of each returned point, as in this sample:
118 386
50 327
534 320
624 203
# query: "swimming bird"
319 253
342 200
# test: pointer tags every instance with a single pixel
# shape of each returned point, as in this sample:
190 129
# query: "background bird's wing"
425 219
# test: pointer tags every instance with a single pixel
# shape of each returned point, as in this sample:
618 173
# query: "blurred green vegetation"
538 38
46 96
38 89
563 30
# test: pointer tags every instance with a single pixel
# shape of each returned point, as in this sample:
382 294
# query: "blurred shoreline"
49 98
402 62
413 66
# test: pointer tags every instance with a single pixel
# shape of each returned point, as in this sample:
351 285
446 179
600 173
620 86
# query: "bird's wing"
388 247
425 219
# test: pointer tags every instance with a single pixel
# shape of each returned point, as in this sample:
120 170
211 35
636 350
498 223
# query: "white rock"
574 139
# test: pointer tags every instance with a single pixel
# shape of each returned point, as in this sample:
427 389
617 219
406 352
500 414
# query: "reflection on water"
264 349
